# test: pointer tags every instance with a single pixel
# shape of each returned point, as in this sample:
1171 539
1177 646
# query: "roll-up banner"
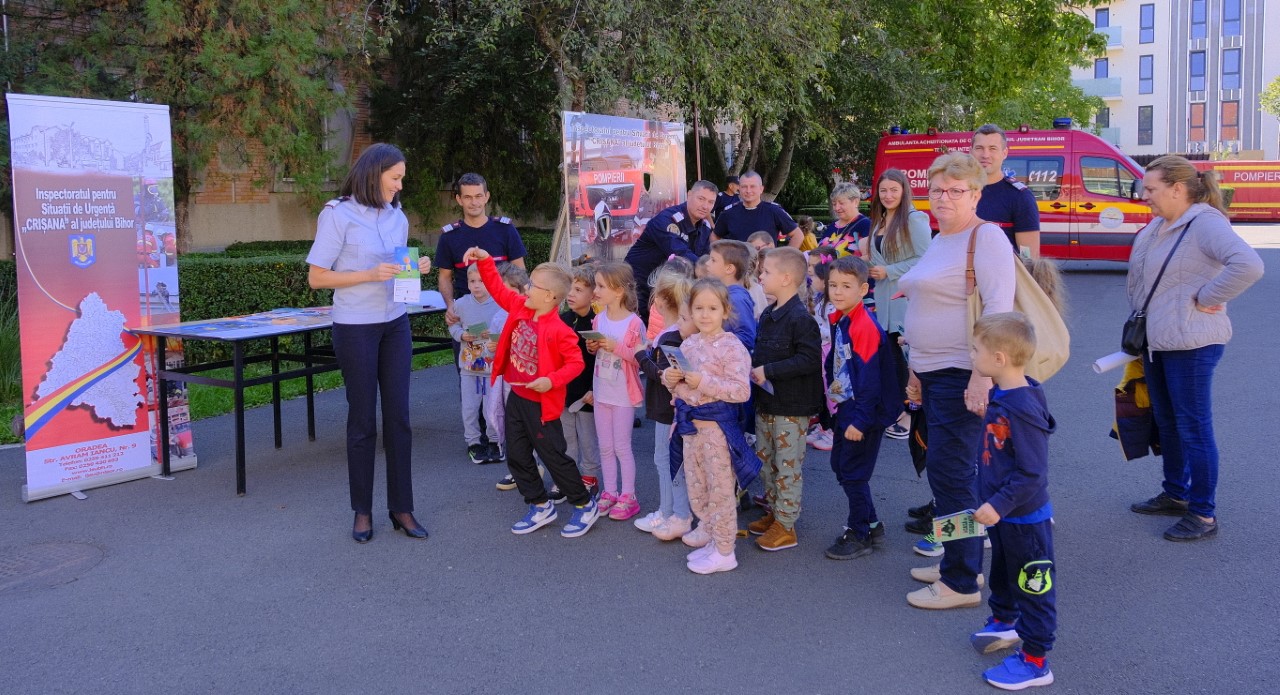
96 254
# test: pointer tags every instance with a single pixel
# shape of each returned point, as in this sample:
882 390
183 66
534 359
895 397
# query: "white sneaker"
699 552
672 528
713 562
648 522
696 538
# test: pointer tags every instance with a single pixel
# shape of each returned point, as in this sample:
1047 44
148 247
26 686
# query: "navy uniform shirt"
724 200
737 222
668 232
1010 205
497 236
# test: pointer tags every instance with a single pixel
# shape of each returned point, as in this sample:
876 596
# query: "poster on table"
96 253
618 173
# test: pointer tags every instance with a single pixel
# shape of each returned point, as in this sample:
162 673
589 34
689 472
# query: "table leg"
311 383
238 368
275 388
162 398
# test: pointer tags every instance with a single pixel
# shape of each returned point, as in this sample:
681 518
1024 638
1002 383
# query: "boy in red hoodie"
538 356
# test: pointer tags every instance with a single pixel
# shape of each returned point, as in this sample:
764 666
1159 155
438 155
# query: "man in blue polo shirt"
728 196
680 230
493 234
1005 200
751 215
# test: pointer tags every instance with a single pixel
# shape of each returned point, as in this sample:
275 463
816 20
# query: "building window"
1196 134
1231 17
1104 118
1101 68
1146 117
1147 24
1230 120
1199 19
1196 83
1231 68
1146 72
1102 18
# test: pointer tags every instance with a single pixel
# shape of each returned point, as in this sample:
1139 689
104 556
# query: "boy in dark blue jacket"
863 383
1013 478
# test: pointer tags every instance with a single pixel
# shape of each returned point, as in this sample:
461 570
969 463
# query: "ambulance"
1089 193
1256 184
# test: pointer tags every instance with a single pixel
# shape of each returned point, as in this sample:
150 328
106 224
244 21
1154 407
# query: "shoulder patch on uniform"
333 203
732 205
678 217
449 227
505 220
673 228
1016 183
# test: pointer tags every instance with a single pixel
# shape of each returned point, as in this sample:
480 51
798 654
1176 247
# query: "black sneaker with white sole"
848 546
478 453
507 483
494 453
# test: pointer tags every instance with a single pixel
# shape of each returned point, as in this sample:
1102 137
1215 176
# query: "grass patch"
211 401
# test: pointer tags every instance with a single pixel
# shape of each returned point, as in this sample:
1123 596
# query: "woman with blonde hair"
850 225
1187 263
937 328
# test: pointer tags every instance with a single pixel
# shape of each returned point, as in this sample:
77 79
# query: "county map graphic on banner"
618 173
94 239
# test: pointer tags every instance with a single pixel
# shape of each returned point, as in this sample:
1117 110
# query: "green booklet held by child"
954 527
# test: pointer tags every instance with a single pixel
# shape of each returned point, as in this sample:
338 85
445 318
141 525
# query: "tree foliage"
808 82
265 72
1271 98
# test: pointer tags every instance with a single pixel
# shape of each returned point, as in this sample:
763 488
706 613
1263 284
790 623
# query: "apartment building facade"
1186 76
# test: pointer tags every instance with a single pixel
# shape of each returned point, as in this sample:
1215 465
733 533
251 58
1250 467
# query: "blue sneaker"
539 515
582 520
1016 673
994 636
928 546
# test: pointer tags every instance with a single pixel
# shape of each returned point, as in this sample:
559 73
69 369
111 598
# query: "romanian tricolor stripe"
42 411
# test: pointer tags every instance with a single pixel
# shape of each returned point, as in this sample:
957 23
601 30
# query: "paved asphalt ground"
199 590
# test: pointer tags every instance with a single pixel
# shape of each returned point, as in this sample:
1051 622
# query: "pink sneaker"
606 502
822 440
697 538
624 508
713 562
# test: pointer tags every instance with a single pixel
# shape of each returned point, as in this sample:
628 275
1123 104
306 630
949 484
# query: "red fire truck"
1256 184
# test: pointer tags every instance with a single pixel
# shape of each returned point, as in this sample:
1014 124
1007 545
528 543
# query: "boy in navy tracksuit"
863 383
1013 469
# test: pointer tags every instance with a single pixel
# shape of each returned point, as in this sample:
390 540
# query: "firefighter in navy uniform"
680 230
1005 201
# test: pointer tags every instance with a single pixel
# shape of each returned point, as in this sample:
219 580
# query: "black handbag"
1133 339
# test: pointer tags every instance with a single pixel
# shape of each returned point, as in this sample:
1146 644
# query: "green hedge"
249 249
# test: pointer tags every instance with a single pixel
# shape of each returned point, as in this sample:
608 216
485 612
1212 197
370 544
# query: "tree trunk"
718 144
740 150
782 168
757 138
181 221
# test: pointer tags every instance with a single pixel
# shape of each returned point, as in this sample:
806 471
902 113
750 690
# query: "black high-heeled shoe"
413 531
362 536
